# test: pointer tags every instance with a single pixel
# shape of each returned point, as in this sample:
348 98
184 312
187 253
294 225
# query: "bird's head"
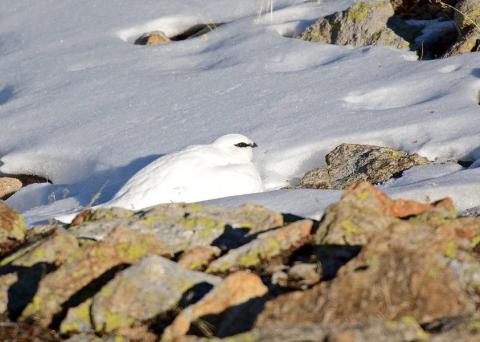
236 145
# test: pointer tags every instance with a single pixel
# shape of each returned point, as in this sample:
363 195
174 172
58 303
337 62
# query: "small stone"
8 186
235 289
302 275
199 257
153 38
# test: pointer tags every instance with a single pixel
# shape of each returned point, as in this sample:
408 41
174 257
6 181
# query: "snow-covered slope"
85 107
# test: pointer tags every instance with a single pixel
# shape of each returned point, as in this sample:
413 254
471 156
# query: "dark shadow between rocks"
330 257
21 293
85 293
6 94
235 320
232 238
189 297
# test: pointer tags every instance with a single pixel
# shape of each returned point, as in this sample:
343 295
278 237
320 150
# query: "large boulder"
349 163
365 23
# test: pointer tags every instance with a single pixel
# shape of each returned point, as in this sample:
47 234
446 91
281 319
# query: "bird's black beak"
254 145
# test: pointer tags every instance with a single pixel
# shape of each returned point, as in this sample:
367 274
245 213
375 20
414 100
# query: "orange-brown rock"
9 186
237 288
199 257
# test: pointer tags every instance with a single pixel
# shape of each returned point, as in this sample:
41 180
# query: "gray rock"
264 247
349 163
365 23
183 226
143 291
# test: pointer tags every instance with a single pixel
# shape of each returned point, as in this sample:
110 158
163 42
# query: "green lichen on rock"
54 249
78 319
365 23
141 292
57 287
359 11
350 163
264 247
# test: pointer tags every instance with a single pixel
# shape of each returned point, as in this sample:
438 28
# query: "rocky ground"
372 269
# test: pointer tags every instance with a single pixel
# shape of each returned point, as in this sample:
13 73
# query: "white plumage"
196 173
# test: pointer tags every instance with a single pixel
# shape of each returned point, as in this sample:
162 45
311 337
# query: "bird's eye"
242 144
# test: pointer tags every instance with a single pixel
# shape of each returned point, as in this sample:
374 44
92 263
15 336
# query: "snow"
83 106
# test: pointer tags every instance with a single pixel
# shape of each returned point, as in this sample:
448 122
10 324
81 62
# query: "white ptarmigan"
200 172
196 173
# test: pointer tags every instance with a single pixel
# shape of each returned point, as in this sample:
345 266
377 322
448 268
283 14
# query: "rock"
25 332
264 247
467 15
78 319
365 23
22 271
183 226
55 249
422 266
196 31
8 186
364 211
199 257
122 246
301 276
465 329
152 38
143 291
237 288
349 163
467 42
423 9
376 330
12 228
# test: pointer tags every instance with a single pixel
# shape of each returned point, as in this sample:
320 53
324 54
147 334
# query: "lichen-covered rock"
424 266
12 228
183 226
152 38
365 23
364 211
468 14
143 291
9 186
379 331
349 163
236 289
390 278
264 247
78 319
55 249
121 246
199 257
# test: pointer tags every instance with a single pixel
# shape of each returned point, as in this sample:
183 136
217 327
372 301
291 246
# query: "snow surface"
85 107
